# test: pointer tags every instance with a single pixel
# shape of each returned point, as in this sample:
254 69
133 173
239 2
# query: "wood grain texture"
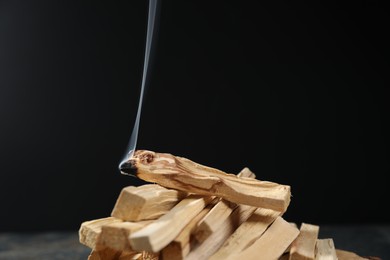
208 247
180 247
145 202
182 174
271 244
213 220
90 230
162 231
217 215
116 235
247 233
303 248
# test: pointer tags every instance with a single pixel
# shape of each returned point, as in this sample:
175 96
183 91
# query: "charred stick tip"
128 167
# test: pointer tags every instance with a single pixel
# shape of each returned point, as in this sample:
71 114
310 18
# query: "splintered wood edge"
90 230
115 235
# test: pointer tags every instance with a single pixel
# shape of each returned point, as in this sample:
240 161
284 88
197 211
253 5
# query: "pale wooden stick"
116 235
214 219
247 233
325 249
221 211
303 248
180 246
90 230
89 235
162 231
288 248
182 174
208 247
145 202
271 244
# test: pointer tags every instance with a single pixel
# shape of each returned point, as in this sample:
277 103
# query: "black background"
297 93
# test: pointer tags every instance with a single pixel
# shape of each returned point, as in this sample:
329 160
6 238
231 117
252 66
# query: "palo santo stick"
325 249
162 231
221 211
90 230
247 233
287 252
180 246
116 235
213 220
182 174
303 248
208 247
145 202
271 244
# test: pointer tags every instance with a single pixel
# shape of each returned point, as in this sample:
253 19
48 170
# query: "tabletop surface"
367 240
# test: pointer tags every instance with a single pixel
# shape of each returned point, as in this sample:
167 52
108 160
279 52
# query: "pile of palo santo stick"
196 212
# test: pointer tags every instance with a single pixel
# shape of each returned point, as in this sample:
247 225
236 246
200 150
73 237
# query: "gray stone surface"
363 240
42 246
366 240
